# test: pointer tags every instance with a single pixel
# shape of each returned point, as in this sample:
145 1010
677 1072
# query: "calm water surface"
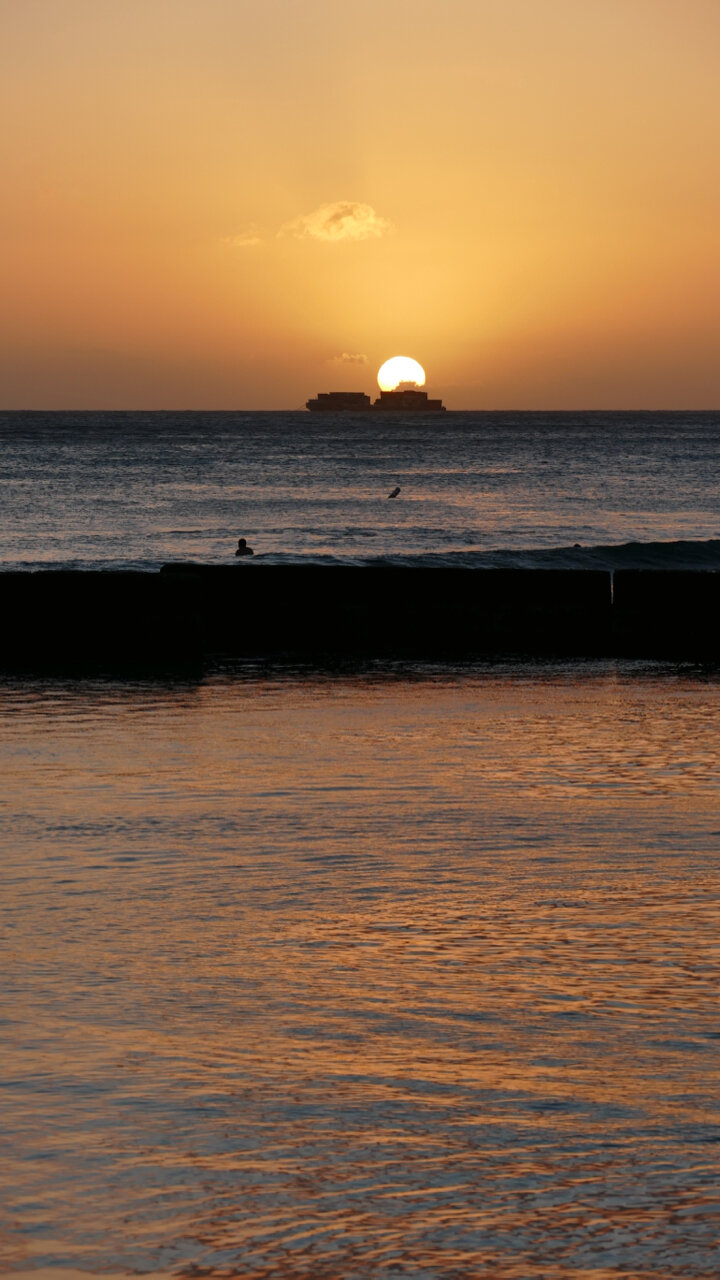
135 490
397 973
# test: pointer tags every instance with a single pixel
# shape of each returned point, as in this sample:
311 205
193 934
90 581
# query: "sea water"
136 490
408 970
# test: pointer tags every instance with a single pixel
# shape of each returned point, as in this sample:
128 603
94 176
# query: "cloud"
347 358
244 239
344 220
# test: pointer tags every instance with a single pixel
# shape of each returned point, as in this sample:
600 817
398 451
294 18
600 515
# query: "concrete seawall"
104 619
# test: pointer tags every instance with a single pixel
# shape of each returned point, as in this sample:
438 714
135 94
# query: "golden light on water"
398 370
429 936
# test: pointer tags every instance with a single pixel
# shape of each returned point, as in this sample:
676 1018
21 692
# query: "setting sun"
400 371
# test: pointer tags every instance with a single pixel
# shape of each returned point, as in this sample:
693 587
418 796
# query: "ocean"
401 969
136 490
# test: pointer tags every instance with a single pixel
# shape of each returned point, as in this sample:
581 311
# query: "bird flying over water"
394 493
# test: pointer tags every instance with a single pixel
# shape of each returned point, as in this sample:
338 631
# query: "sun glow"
400 371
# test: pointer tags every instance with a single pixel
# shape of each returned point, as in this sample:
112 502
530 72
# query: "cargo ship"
405 400
339 402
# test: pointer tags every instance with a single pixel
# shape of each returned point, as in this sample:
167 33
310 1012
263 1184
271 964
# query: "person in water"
243 549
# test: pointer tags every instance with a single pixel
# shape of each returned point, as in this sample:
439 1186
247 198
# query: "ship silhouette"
406 398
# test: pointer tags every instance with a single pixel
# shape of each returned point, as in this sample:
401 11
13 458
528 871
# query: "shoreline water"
320 977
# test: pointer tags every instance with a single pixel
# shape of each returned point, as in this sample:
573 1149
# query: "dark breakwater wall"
82 620
392 610
666 613
103 619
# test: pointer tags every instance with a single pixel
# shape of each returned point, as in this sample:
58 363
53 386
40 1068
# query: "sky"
228 204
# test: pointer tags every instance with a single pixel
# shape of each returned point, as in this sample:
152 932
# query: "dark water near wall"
128 490
412 971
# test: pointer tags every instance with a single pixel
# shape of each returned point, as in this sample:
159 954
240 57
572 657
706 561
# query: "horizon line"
354 412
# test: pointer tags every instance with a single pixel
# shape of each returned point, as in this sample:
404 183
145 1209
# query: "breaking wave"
628 555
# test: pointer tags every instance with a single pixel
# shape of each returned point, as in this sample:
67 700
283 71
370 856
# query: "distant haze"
227 204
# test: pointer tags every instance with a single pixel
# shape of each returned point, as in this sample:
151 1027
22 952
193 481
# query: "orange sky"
214 203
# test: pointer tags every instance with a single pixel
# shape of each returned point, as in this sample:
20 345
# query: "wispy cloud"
343 220
348 358
245 239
